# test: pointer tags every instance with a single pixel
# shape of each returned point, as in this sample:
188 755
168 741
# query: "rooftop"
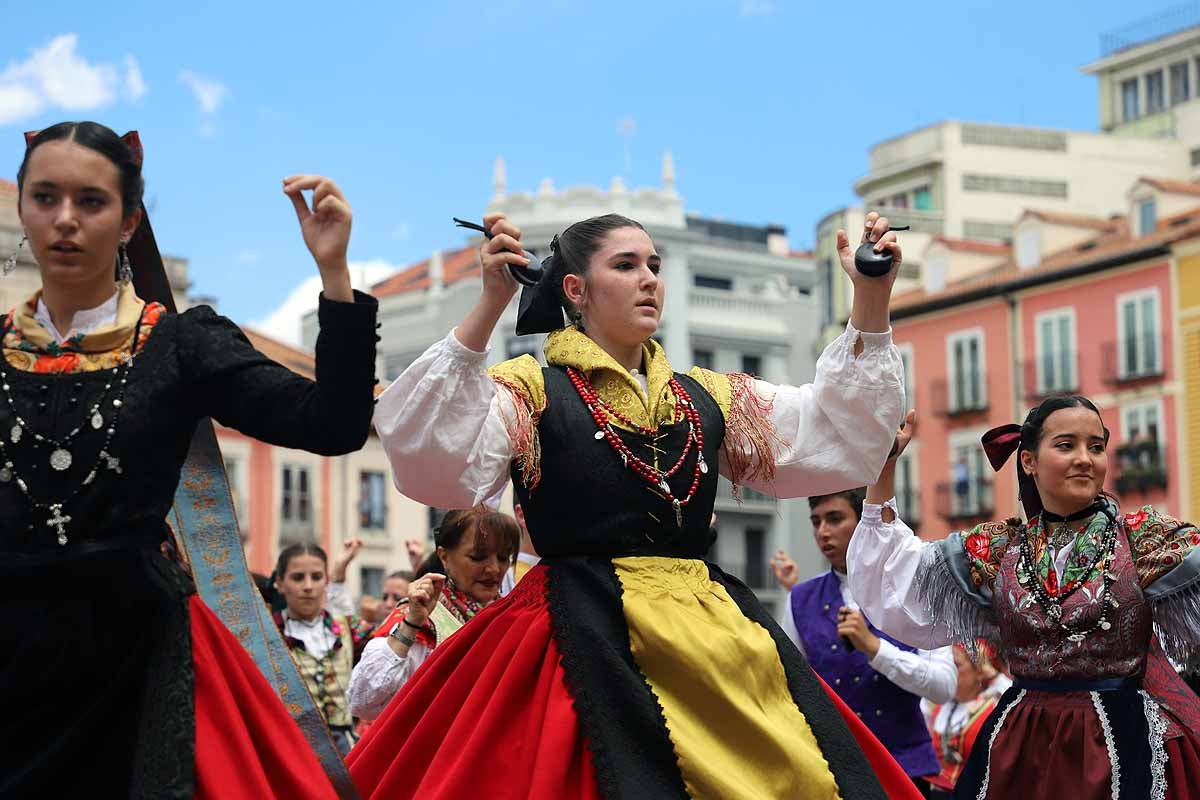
1108 248
456 266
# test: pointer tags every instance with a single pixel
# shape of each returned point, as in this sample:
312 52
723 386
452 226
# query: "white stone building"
737 299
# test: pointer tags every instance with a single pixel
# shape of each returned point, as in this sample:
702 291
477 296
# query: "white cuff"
461 352
871 341
885 657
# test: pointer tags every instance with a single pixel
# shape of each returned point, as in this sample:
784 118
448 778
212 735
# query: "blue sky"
769 106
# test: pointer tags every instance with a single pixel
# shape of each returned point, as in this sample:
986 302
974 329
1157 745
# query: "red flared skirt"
247 745
489 714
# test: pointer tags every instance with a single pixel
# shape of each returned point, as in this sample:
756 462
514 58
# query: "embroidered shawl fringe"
966 620
751 439
1177 622
522 429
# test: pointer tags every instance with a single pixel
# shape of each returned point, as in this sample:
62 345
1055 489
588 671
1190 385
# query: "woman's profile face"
621 295
71 211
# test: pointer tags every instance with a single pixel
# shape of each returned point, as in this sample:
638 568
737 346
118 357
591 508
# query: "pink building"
1080 305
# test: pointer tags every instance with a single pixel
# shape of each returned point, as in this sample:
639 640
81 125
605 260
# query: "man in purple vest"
881 679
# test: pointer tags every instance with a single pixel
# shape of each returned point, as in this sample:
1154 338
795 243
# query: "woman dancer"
102 393
1073 598
323 634
625 666
475 547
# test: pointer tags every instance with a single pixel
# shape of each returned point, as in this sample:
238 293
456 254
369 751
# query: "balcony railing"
1134 358
966 393
1051 374
1141 468
963 501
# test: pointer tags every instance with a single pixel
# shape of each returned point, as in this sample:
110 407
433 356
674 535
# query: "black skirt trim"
618 712
850 768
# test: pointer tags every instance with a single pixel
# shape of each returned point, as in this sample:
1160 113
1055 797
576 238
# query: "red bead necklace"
603 413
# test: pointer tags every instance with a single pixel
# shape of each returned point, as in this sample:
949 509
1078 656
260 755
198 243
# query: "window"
910 392
1129 99
702 358
1007 184
1179 83
828 275
1137 323
900 200
923 199
752 365
1055 336
1029 248
966 372
295 509
233 474
1154 92
1196 156
371 581
1146 216
372 500
756 557
1141 422
969 488
907 500
712 282
515 346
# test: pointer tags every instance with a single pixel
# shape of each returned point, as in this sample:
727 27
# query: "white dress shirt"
930 674
882 560
379 675
442 423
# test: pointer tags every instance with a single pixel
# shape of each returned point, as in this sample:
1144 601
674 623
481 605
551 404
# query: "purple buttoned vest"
892 714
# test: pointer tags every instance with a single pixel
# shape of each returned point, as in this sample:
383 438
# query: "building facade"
737 300
970 181
1148 80
1083 305
285 496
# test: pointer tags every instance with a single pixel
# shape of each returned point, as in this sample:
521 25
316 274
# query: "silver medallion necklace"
61 457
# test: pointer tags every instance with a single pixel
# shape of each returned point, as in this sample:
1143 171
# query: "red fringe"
750 436
523 432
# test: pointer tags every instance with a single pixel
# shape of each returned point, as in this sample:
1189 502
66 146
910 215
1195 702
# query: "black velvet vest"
589 504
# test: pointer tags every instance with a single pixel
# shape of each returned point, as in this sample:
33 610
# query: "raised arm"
922 593
832 434
443 422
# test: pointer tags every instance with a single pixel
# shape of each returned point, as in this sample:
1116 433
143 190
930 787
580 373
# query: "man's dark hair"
855 497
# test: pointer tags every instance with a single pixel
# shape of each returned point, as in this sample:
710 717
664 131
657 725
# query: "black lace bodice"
192 365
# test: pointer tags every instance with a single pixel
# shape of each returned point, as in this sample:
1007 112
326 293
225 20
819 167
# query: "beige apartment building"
1148 79
959 181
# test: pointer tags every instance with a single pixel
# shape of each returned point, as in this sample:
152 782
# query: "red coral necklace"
603 414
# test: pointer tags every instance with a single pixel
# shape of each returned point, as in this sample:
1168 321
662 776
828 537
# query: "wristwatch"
400 636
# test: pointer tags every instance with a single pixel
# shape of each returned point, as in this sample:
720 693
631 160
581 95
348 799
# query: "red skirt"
489 714
1049 743
247 745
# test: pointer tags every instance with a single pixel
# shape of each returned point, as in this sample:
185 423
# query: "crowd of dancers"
590 650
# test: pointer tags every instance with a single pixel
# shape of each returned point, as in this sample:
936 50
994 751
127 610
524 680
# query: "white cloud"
56 76
284 322
135 84
758 8
209 93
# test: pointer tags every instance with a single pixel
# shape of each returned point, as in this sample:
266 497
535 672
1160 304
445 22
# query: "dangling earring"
125 273
10 263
